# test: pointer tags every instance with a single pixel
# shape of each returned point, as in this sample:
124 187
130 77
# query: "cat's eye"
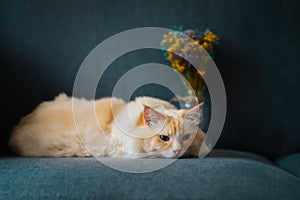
186 136
164 137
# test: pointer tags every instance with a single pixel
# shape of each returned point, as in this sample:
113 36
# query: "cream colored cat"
146 127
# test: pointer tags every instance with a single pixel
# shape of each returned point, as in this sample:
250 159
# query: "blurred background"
43 43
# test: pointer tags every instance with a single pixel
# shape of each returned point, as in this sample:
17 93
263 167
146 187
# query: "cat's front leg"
198 148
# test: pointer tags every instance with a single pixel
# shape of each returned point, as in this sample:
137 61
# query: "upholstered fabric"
43 43
291 163
86 178
226 153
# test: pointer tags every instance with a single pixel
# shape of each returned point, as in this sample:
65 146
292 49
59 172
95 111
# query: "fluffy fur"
146 127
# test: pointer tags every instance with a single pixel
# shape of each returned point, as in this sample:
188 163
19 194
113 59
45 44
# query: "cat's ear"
153 119
193 114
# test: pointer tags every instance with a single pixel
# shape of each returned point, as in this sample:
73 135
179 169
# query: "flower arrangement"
171 41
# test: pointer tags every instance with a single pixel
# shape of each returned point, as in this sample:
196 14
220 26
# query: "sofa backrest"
43 43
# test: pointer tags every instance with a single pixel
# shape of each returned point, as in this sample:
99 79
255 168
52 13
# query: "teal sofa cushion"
227 153
86 178
291 163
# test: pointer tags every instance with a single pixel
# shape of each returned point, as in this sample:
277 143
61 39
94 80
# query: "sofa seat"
290 163
213 177
227 153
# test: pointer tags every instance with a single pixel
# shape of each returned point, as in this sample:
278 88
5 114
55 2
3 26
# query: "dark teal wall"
42 44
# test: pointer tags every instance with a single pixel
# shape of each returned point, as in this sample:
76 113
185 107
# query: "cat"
144 128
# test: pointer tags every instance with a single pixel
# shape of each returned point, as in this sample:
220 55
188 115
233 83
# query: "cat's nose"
176 151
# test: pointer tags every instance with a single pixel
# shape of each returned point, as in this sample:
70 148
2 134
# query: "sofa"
43 43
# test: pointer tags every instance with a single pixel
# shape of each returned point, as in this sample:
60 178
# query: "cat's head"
173 130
